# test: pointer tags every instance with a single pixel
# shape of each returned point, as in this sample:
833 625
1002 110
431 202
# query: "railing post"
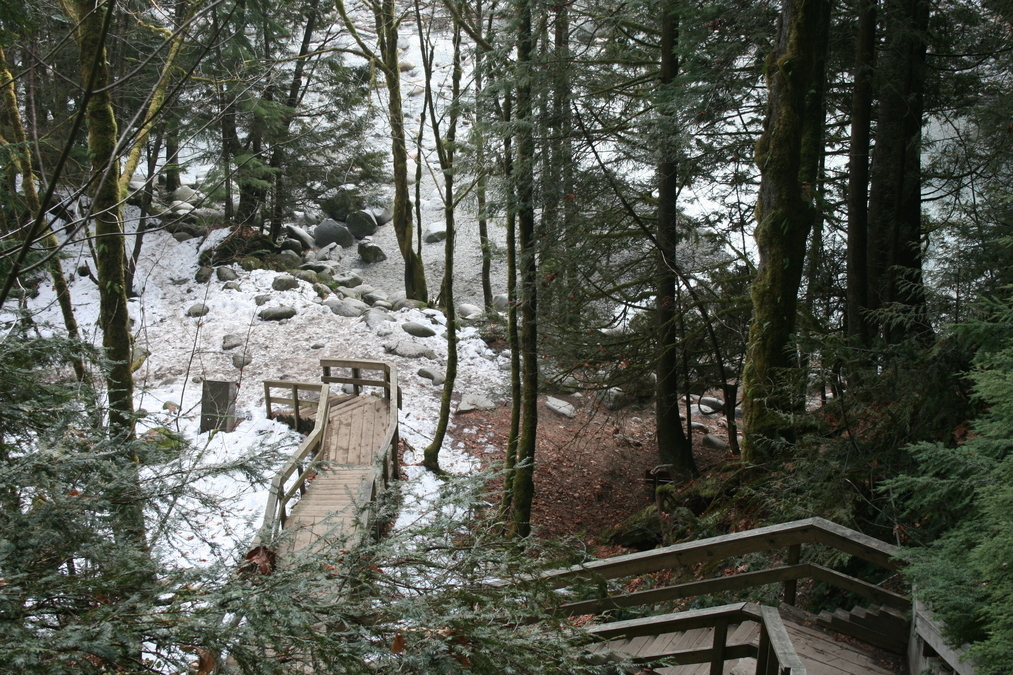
790 585
295 405
267 399
763 651
355 376
718 647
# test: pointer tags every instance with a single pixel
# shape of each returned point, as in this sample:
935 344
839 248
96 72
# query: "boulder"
203 275
406 65
330 252
232 286
561 407
712 441
348 279
356 304
371 253
285 282
409 350
711 402
350 292
180 208
435 232
376 317
417 329
374 297
184 193
474 402
293 245
701 410
241 360
182 236
288 259
466 311
383 304
434 374
261 299
200 309
501 302
330 231
226 274
699 426
301 235
615 398
383 216
342 308
277 313
232 340
308 276
321 290
361 224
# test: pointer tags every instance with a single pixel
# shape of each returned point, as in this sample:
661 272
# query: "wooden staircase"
883 627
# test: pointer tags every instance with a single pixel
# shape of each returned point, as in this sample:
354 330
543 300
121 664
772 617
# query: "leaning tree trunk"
11 115
788 157
674 446
445 150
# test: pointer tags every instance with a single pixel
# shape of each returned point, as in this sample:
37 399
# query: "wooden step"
892 638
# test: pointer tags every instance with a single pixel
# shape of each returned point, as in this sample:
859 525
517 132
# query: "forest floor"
592 471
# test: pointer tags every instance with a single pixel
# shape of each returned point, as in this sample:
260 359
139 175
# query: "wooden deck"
351 447
822 652
349 455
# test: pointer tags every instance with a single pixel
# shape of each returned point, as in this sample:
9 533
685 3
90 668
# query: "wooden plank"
780 642
666 623
702 587
857 544
817 645
689 553
930 632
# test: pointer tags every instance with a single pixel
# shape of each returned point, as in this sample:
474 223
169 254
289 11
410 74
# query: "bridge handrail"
786 535
775 653
276 511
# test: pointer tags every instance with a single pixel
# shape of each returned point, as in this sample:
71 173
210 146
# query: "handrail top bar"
787 657
364 364
291 383
807 530
746 611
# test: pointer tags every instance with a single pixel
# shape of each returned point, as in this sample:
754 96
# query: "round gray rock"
241 360
409 350
383 216
226 274
232 286
285 283
301 235
434 374
200 309
277 313
203 275
342 308
348 279
467 311
261 299
232 340
289 259
371 253
331 231
417 329
361 224
712 441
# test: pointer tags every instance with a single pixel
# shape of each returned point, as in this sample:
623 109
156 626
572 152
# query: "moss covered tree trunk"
674 446
523 483
788 157
414 272
10 115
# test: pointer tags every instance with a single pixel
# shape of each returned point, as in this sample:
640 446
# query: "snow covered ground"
184 350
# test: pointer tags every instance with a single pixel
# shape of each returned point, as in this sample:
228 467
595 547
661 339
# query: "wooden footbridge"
350 454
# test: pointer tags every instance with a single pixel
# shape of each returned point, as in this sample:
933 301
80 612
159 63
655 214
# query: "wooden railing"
300 463
387 384
789 536
300 466
775 653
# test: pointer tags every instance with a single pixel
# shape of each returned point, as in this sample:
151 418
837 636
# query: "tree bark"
523 484
895 245
788 157
674 446
11 116
858 174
